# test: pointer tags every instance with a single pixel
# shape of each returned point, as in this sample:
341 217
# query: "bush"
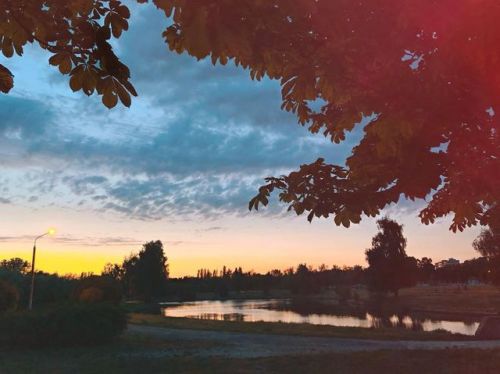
91 295
143 308
97 289
9 296
77 324
49 288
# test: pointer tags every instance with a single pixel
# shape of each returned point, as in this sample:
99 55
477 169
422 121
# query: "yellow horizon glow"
77 262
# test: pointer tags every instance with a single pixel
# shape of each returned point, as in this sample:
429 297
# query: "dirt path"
244 345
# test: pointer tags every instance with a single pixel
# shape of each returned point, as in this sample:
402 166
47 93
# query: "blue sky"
180 165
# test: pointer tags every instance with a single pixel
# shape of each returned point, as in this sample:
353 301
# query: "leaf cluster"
76 33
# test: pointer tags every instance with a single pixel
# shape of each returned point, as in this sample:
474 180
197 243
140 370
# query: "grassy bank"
302 329
479 300
455 302
133 354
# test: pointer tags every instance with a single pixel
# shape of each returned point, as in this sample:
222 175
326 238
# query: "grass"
130 353
454 302
479 300
135 354
302 329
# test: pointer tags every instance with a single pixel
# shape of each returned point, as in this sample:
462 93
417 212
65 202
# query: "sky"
179 166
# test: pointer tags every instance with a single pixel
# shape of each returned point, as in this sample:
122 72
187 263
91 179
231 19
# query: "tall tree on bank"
488 242
488 245
426 71
145 274
389 267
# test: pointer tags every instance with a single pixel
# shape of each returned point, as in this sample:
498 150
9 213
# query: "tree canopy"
15 264
488 241
426 71
488 245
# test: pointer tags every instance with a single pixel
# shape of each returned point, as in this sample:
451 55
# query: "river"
277 310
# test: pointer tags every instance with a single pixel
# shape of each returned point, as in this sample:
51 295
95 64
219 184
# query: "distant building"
448 262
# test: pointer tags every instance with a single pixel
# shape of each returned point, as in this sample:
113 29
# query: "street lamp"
50 232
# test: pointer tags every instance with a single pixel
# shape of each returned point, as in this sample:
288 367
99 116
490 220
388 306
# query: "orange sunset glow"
190 246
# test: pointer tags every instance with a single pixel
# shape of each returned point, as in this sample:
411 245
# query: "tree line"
389 269
145 275
141 276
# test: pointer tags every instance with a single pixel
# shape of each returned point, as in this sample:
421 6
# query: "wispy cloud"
80 241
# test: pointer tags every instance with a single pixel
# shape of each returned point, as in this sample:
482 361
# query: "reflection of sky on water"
257 310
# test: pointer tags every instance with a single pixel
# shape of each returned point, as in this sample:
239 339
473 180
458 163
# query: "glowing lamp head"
51 231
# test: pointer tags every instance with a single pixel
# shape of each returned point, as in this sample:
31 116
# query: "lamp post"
49 232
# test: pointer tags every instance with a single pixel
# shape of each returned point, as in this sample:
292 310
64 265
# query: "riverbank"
455 301
295 329
479 300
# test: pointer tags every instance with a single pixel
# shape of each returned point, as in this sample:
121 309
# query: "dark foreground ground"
249 345
149 349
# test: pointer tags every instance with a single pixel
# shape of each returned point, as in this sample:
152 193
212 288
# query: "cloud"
156 198
99 241
4 201
23 117
15 238
84 185
198 141
214 228
79 241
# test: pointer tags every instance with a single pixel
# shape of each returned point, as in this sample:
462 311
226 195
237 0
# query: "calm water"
275 311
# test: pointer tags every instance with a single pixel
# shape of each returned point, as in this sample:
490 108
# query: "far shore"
455 302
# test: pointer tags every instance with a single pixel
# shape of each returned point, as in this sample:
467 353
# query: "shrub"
77 324
9 296
96 289
143 308
91 295
49 288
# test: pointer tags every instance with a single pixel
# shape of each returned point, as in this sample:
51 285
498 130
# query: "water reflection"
279 311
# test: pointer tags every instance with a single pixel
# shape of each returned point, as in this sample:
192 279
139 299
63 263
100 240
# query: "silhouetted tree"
128 271
15 264
488 244
114 271
275 273
96 288
50 288
305 280
146 273
425 268
238 278
389 267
